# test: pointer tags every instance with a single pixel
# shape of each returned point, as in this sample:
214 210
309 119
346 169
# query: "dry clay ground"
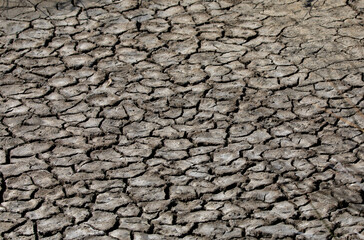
182 119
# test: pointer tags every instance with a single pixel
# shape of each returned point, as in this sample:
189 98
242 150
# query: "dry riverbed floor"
182 119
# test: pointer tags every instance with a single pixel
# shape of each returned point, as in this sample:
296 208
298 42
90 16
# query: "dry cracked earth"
182 119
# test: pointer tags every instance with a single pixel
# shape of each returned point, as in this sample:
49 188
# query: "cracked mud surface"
168 119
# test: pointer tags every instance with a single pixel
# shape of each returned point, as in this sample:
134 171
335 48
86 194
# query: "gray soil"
182 119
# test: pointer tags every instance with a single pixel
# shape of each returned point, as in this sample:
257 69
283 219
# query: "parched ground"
182 119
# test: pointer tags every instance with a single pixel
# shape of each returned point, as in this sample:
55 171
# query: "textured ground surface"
167 119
